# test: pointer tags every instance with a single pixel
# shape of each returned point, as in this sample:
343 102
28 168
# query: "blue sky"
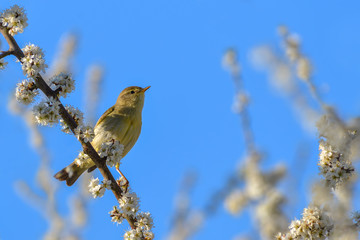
176 47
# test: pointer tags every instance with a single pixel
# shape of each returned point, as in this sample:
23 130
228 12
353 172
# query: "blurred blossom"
63 58
241 99
2 64
236 201
269 215
95 77
283 30
292 44
230 61
260 192
334 166
282 77
304 69
280 74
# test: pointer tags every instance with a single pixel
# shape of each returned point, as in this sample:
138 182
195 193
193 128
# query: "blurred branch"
185 221
230 62
94 80
46 204
304 72
63 59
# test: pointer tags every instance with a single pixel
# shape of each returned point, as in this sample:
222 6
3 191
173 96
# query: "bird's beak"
144 89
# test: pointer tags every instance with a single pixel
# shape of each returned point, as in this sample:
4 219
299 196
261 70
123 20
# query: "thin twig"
5 53
244 115
88 148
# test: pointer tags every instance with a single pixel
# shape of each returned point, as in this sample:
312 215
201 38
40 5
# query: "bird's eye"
132 92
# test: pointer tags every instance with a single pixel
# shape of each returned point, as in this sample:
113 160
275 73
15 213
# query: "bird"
121 122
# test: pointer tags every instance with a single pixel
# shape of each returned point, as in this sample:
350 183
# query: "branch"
100 163
5 53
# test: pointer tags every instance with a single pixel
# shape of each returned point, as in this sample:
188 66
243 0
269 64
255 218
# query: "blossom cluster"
236 201
138 234
97 189
333 164
260 191
129 207
14 19
112 150
47 112
258 184
269 215
315 224
34 61
62 83
26 91
293 53
85 132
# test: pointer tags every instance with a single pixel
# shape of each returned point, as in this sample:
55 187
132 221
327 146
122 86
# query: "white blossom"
144 221
62 82
14 19
96 189
138 234
107 184
85 132
34 61
113 151
47 112
123 183
26 91
133 234
129 203
116 215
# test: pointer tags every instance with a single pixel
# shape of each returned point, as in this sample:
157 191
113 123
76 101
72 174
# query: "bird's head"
132 97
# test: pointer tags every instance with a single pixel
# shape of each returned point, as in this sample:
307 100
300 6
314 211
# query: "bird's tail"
70 174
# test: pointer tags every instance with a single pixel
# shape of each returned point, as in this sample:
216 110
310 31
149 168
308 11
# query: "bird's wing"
110 110
111 125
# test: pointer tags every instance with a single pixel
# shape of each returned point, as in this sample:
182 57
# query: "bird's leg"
126 185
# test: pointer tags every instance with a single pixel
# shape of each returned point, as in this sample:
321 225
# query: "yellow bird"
121 122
